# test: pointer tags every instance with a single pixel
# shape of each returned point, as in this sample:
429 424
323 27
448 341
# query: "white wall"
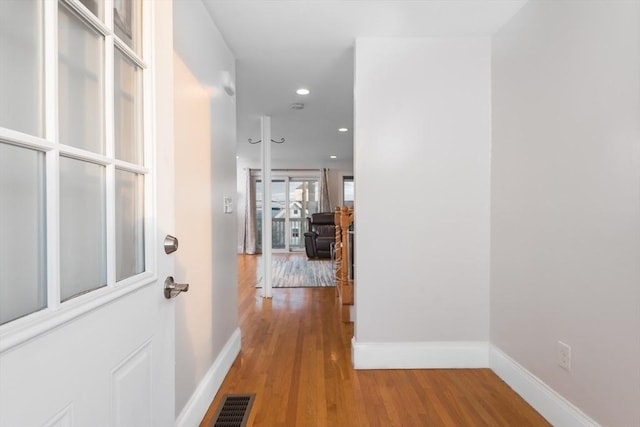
565 253
206 317
422 145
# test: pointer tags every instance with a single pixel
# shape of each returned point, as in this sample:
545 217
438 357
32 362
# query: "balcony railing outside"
278 229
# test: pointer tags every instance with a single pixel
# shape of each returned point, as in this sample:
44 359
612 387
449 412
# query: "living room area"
303 221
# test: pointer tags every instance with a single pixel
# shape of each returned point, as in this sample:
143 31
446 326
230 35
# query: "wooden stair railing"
344 286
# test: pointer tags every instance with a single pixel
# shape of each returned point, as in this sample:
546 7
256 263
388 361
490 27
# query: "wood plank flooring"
296 358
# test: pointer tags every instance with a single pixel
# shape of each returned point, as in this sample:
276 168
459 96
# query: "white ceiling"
281 46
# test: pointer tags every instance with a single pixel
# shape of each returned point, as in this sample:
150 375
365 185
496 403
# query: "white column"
265 122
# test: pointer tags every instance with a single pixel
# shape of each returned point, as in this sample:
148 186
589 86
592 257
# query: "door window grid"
55 152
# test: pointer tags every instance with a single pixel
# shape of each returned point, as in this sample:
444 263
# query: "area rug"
297 272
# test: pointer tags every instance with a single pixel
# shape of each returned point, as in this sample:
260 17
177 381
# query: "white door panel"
83 365
107 360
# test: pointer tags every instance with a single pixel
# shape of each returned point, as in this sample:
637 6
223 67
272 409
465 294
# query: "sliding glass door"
292 201
303 201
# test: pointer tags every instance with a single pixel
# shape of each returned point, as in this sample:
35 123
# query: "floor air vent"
233 410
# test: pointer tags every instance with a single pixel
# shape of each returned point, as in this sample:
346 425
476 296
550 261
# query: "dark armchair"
318 241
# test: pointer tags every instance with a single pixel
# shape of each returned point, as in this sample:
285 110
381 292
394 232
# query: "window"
347 190
73 177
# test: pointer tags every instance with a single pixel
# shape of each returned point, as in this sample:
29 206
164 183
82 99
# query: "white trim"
52 216
84 155
24 140
196 407
551 405
107 12
110 151
419 355
85 14
129 53
110 194
149 136
131 167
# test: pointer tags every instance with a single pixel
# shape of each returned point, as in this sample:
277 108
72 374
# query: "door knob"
170 244
173 289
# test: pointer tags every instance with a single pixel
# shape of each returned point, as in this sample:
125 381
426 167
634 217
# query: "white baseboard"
196 407
420 355
551 405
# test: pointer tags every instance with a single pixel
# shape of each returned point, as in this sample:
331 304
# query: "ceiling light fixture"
302 91
343 130
333 157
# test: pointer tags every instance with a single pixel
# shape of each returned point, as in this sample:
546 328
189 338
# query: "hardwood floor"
296 358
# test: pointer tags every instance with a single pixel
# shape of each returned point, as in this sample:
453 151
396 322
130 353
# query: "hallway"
296 358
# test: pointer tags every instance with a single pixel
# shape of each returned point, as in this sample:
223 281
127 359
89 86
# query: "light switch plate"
228 205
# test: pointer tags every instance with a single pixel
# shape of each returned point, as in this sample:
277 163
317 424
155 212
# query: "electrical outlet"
564 356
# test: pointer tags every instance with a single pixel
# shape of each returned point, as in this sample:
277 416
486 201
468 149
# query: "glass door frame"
286 176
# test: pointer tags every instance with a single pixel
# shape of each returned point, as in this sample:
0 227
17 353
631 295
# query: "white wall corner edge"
196 407
419 355
551 405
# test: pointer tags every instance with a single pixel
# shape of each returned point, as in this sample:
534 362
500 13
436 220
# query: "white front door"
86 199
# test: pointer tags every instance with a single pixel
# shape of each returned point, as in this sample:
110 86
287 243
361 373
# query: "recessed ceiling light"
343 130
333 157
302 91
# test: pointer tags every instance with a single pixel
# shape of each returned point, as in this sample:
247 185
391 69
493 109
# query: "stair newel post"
344 287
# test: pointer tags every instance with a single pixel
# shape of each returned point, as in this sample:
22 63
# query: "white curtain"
325 200
249 241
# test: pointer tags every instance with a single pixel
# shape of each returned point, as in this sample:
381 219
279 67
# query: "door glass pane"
95 6
82 227
127 22
128 109
129 224
303 201
22 232
80 81
21 55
